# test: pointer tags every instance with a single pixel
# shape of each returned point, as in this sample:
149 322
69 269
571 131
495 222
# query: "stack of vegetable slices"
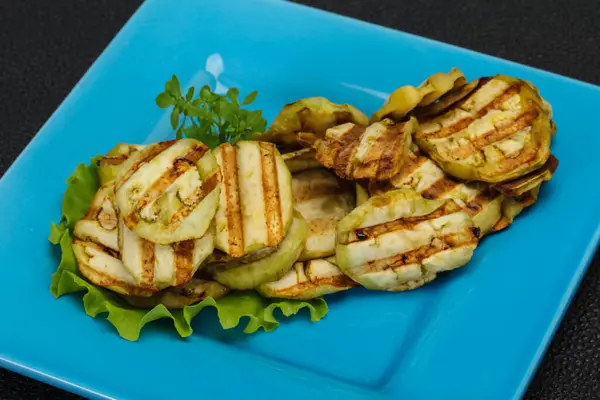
323 201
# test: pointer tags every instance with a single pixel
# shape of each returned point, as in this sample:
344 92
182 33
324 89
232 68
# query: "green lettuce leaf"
129 321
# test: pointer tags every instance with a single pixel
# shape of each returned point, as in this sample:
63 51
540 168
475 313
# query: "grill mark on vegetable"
112 160
350 144
478 203
160 185
272 201
101 279
90 242
464 123
411 164
233 209
497 134
151 152
439 188
515 187
184 261
148 263
449 207
449 101
416 256
194 200
393 152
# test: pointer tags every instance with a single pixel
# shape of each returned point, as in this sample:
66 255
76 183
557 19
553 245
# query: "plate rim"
131 24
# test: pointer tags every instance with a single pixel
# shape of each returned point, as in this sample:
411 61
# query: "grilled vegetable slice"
313 115
156 266
526 183
362 195
255 206
424 176
95 245
376 152
400 241
192 292
109 165
513 206
403 100
308 280
269 268
323 200
99 224
499 132
168 192
300 160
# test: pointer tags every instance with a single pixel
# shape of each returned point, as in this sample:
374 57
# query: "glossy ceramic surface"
475 333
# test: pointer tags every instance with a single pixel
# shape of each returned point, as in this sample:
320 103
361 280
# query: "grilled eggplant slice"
156 266
99 224
530 181
400 241
309 280
312 115
169 191
376 152
300 160
96 249
109 165
424 176
323 200
270 268
403 100
513 206
255 206
499 132
174 298
362 195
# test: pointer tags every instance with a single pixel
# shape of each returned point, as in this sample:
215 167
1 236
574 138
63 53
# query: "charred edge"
378 187
476 204
158 187
184 261
513 188
416 256
233 209
459 98
100 279
152 152
194 200
503 223
90 242
112 160
349 146
476 232
148 263
393 153
272 200
374 231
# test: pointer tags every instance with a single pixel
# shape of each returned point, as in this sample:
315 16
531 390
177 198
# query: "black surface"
46 46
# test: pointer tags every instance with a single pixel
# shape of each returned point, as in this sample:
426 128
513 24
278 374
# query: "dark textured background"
46 46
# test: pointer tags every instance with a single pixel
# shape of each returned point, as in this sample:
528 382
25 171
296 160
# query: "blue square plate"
475 333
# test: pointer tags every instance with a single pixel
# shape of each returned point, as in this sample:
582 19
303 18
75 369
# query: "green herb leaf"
190 94
214 118
250 98
174 118
233 94
173 87
164 100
